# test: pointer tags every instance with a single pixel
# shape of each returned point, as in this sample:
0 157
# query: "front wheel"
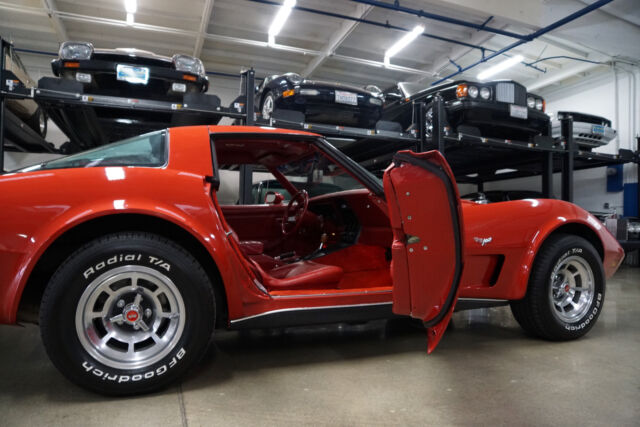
38 122
128 313
566 290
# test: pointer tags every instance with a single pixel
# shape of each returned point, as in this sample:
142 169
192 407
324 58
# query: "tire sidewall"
568 247
72 279
264 101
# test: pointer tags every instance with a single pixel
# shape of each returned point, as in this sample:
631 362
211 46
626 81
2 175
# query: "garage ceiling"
231 34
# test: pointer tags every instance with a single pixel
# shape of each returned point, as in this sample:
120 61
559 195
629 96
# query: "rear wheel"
268 105
566 290
128 313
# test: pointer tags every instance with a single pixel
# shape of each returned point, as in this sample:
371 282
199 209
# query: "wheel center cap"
567 288
131 314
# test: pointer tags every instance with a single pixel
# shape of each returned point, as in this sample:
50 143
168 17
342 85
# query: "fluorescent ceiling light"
130 19
280 19
402 43
489 72
131 6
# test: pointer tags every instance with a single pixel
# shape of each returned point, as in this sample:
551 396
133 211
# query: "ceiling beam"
561 74
458 52
204 23
337 39
57 24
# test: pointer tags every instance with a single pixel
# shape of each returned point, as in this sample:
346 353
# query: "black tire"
182 302
38 122
268 97
548 309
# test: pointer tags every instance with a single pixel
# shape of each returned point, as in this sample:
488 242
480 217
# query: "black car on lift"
130 74
320 101
497 109
133 73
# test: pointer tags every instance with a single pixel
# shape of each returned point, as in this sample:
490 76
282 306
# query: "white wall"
594 95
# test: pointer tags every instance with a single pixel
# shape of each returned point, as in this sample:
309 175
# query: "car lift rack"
473 159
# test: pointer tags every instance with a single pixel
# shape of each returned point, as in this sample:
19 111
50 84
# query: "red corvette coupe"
128 258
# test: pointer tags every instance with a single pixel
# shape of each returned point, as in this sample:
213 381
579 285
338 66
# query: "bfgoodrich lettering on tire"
566 290
127 313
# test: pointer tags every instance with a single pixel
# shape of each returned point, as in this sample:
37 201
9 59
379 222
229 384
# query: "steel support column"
567 162
437 120
246 171
422 111
547 175
2 104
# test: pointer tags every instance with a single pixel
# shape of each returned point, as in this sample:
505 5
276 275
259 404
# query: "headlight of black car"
531 102
189 64
294 78
75 50
375 90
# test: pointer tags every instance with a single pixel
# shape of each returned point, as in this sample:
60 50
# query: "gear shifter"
323 244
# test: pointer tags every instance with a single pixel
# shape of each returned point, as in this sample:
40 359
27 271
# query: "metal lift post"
246 171
566 124
2 104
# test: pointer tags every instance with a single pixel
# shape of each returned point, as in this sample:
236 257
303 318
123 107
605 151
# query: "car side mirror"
273 198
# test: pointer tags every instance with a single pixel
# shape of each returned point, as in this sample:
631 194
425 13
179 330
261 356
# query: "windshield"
148 150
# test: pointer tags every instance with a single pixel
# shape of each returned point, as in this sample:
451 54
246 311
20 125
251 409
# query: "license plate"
348 98
132 74
517 111
597 129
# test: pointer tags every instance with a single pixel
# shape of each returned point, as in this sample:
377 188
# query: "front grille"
505 92
512 93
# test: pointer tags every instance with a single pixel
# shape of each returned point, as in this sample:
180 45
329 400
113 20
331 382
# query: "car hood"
124 51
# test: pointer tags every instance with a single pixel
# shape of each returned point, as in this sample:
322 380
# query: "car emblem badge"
132 316
483 240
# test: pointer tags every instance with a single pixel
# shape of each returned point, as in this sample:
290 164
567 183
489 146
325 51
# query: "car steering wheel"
294 212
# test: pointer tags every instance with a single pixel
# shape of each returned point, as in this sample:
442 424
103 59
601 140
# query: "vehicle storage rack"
473 159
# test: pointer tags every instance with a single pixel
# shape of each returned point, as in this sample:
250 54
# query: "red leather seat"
251 247
303 275
296 275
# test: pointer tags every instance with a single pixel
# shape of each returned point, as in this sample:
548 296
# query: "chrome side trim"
483 299
330 295
284 310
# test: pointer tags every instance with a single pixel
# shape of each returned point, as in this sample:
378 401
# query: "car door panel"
425 215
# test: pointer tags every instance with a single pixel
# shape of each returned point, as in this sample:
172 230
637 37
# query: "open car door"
427 258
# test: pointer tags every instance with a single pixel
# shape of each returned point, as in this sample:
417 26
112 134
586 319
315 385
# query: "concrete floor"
485 372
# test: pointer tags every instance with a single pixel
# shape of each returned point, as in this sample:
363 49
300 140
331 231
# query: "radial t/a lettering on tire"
566 290
127 313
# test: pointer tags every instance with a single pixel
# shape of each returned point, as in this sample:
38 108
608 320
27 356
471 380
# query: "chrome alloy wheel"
267 107
572 289
130 317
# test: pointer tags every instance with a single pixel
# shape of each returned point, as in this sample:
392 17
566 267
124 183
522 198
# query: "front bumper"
322 106
494 118
104 81
587 134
